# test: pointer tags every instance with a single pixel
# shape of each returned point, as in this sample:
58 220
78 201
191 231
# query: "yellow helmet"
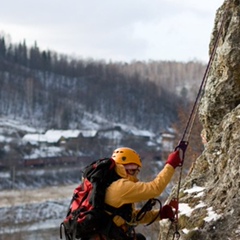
126 155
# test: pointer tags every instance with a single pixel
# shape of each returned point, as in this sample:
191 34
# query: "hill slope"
56 91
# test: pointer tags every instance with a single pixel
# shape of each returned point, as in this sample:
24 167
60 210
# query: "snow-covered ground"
31 213
11 198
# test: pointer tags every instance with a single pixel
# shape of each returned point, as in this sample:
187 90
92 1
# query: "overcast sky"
117 30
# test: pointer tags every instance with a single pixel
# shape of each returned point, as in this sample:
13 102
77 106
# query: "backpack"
86 215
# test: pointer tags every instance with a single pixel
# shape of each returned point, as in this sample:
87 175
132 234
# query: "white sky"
117 30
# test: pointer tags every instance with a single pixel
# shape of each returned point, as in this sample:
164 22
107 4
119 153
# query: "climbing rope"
182 146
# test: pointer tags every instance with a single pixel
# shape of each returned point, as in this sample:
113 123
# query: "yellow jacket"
129 190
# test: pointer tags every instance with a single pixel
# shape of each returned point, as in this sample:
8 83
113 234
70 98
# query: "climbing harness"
182 146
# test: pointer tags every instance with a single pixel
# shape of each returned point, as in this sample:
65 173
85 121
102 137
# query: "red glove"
167 213
174 159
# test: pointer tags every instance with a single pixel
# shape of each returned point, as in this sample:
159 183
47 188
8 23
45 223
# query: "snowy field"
33 214
10 198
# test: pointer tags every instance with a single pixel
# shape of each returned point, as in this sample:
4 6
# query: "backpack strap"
66 234
125 211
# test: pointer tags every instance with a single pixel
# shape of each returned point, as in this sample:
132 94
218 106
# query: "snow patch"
13 124
212 216
184 209
5 175
200 205
200 194
194 189
186 231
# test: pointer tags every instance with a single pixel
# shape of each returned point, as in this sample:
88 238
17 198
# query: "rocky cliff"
210 195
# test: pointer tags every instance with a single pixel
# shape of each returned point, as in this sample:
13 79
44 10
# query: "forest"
53 90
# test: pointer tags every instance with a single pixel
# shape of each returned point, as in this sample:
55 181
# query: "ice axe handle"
182 147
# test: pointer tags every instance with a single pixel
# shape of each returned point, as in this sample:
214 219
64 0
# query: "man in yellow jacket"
128 190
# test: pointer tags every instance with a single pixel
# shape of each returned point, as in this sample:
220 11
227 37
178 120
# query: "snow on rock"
194 189
211 215
185 209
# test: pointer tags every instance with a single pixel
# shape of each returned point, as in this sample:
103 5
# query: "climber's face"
132 169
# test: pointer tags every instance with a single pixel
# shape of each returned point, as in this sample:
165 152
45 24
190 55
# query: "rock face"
211 193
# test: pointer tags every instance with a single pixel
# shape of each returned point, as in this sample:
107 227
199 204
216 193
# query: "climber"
128 190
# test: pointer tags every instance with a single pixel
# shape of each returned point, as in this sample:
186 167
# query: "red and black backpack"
86 214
